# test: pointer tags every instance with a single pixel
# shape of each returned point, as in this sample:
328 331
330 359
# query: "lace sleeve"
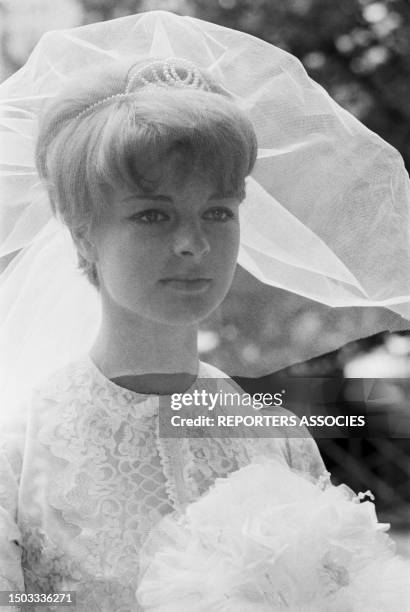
11 575
304 457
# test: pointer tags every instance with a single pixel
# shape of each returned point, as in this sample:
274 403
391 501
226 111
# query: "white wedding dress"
84 477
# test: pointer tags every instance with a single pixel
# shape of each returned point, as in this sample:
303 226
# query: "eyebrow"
163 198
226 196
149 196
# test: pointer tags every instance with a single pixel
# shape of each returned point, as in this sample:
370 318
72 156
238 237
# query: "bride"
145 162
146 165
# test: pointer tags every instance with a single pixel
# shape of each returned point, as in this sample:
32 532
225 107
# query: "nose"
190 241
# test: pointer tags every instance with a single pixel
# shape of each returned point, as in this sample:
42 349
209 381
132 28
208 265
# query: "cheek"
125 260
226 247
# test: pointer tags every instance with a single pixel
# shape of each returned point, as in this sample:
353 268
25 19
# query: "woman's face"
170 255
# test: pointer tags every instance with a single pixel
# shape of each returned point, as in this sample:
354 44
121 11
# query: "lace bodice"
87 476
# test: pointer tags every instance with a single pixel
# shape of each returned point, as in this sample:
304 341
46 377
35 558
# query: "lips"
187 284
185 278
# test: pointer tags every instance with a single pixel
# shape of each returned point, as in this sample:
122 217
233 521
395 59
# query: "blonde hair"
85 153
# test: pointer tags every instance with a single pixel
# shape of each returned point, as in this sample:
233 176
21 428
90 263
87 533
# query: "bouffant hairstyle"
93 141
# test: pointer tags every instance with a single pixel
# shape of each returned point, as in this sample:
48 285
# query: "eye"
219 213
150 217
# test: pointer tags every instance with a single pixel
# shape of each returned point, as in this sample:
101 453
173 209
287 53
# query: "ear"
84 244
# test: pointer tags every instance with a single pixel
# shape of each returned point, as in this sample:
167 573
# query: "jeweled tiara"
169 72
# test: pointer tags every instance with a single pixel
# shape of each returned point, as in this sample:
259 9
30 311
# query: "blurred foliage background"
359 51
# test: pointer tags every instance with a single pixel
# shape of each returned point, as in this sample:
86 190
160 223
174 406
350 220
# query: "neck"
144 355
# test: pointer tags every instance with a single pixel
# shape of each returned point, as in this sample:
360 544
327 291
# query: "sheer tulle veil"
326 215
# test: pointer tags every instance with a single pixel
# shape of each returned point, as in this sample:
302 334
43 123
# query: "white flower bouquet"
266 539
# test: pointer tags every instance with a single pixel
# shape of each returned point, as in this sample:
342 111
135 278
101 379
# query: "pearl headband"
159 73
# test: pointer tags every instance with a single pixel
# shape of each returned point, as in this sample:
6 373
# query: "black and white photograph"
205 305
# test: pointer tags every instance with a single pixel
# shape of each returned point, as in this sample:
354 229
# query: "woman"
145 162
146 165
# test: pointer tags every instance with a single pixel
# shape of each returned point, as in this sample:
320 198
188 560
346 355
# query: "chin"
185 312
185 316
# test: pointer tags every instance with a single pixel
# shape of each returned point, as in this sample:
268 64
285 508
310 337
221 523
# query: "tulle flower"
266 539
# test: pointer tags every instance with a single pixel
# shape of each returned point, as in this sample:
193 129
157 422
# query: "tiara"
170 72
